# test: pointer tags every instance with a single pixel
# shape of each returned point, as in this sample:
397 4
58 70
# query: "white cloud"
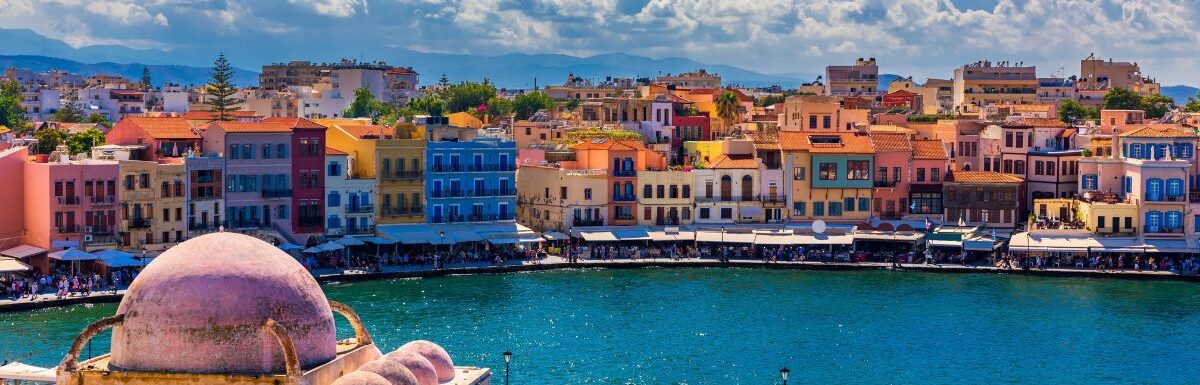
335 8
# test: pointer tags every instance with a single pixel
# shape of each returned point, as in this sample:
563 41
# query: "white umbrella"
10 265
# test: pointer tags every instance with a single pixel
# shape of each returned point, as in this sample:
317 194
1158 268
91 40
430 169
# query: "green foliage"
1122 99
1193 104
1086 153
498 107
364 105
98 118
769 100
12 115
71 111
221 89
529 103
576 136
1070 110
1156 106
48 139
466 96
145 83
928 118
571 105
83 141
727 108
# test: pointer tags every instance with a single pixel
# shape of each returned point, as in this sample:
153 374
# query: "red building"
901 99
308 175
690 128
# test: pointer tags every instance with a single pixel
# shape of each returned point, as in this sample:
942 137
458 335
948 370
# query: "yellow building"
830 175
665 198
153 198
1109 218
463 119
400 172
358 139
702 151
555 199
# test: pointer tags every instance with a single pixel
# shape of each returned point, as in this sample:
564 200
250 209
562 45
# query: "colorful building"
308 176
471 176
156 137
665 197
893 162
206 193
550 198
622 160
68 201
984 198
258 176
830 175
350 208
399 169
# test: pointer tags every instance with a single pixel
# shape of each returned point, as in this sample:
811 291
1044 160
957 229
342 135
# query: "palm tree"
727 108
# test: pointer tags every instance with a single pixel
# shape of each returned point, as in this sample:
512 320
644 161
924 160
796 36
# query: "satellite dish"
818 226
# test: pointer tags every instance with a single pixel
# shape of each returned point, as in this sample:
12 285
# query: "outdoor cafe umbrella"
350 241
10 265
116 258
74 256
290 247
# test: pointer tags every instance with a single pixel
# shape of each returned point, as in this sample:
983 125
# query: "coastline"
557 263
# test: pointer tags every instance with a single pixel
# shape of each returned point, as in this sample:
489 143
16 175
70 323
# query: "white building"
350 208
113 103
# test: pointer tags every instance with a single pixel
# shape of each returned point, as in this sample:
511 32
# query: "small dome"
361 378
417 364
395 373
200 307
436 355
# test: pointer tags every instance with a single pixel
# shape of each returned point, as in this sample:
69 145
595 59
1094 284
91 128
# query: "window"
926 203
704 213
335 169
1089 182
674 192
812 122
247 151
848 204
1174 220
233 151
835 209
882 175
587 194
1019 167
864 204
858 169
920 175
726 213
562 192
281 150
826 122
334 199
828 171
687 191
1153 221
1008 139
895 174
646 213
647 191
1100 225
798 208
819 209
1154 189
266 151
799 173
1020 139
933 175
1174 187
1038 169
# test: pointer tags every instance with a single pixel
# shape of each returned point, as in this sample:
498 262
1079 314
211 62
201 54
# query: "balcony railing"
1177 198
773 198
624 217
104 200
360 209
491 192
403 175
139 223
448 168
738 198
1194 197
68 229
588 222
489 217
276 194
624 198
246 224
100 240
68 201
885 183
309 221
360 230
491 168
401 211
445 218
667 221
203 228
625 173
448 193
1162 230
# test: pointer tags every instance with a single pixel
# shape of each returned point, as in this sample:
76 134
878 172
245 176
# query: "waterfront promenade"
555 262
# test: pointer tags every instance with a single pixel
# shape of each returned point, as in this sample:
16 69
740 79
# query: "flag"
962 220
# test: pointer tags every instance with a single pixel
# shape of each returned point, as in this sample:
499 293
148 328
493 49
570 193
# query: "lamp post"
507 359
783 373
436 261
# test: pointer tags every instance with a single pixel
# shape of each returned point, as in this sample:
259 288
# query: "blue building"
470 176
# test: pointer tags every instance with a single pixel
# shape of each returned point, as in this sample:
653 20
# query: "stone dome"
395 373
200 307
417 364
361 378
436 355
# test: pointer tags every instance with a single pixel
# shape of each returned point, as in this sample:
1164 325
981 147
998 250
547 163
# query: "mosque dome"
417 364
393 371
361 378
436 355
201 305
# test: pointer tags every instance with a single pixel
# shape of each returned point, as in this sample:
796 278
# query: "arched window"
747 187
1153 221
1154 189
1174 187
726 187
1174 220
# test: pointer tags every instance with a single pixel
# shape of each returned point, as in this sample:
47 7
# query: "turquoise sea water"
739 326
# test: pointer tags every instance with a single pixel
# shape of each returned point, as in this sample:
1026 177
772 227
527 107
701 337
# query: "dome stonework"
201 305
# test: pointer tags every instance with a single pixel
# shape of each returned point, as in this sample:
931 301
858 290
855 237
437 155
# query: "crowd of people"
63 284
1103 262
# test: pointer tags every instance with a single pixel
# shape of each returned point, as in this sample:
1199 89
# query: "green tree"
1070 110
364 105
1193 104
221 90
727 108
83 141
100 119
529 103
571 105
1156 106
48 139
71 111
769 100
12 114
145 83
1122 99
443 82
467 95
498 107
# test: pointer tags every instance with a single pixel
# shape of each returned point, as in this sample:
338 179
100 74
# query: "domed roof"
200 307
417 364
361 378
436 355
395 373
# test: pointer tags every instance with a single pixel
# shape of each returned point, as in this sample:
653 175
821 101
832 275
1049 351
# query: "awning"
10 265
350 241
597 236
462 236
632 235
290 247
980 244
888 236
22 372
325 247
72 254
64 244
509 241
555 236
661 236
412 234
749 211
379 240
23 251
728 237
119 261
825 239
944 243
1170 246
776 239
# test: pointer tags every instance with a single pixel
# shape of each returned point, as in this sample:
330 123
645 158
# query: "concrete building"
206 193
830 175
696 79
155 137
728 189
399 166
550 198
470 176
114 103
983 198
985 83
258 176
819 114
350 208
665 197
1097 74
70 200
622 160
860 79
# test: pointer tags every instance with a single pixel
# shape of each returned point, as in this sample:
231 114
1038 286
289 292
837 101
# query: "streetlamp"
441 234
507 359
783 373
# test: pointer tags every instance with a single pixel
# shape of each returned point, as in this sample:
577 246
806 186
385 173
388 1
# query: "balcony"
402 211
625 173
245 224
1194 197
885 183
588 222
101 240
491 192
447 168
742 198
403 175
446 219
309 221
203 228
269 194
369 230
448 193
491 168
674 221
360 209
68 229
68 201
1151 231
624 198
103 200
773 199
139 223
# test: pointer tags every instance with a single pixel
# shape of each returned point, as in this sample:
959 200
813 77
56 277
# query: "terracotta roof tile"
738 161
334 151
1034 122
891 142
1158 132
162 128
368 131
929 149
822 143
252 127
985 177
210 115
295 122
609 144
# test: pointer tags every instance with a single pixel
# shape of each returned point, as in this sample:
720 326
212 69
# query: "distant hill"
1180 93
886 80
158 73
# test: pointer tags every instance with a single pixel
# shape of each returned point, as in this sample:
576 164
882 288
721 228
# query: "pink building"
893 160
925 191
160 136
258 174
69 202
1151 167
12 171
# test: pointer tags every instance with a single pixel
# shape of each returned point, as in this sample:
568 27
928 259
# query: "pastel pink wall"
12 196
900 190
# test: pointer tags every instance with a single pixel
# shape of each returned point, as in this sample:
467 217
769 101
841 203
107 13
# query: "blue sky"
924 38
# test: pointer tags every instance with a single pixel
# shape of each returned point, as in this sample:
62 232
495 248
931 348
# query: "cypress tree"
221 90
